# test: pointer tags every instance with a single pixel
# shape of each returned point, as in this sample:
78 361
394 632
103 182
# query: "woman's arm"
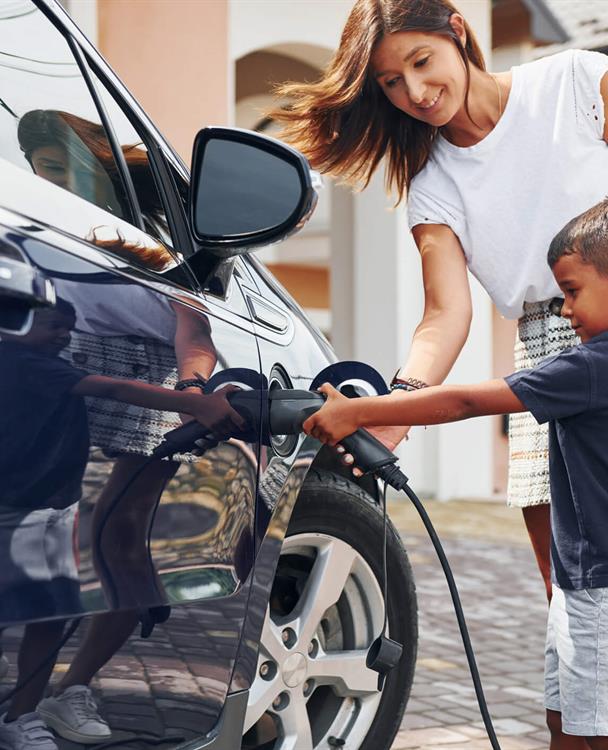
443 330
604 93
194 348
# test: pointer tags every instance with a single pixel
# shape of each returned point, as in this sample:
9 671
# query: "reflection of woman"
123 330
493 166
75 154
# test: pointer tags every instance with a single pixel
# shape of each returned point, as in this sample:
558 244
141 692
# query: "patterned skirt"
539 335
117 427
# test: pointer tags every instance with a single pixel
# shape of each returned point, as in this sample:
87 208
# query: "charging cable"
391 474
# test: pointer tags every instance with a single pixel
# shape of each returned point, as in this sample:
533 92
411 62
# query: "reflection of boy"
43 454
44 440
44 446
570 392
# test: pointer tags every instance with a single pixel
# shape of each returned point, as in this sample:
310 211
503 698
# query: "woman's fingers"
348 460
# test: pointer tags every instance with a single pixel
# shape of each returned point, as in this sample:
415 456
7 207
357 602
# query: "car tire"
313 695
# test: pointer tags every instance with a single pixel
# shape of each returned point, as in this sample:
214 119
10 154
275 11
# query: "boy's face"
50 331
585 295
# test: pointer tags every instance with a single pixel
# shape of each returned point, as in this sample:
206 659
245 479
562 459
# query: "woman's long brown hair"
344 123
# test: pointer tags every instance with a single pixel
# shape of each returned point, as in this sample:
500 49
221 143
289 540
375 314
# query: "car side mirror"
247 190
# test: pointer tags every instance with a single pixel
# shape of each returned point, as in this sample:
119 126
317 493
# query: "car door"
94 214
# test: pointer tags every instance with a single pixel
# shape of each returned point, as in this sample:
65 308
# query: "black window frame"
176 216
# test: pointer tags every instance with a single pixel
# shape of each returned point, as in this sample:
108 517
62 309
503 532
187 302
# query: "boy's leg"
598 743
538 523
39 639
559 740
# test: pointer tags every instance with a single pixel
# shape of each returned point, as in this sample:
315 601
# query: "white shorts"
38 564
576 660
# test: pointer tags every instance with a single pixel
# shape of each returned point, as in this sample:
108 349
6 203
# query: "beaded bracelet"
406 384
181 385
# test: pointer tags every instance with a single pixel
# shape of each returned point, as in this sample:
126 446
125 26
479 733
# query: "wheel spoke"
261 696
297 734
345 671
271 644
323 587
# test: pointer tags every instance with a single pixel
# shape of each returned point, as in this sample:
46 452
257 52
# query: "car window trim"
164 182
62 21
157 152
119 158
51 14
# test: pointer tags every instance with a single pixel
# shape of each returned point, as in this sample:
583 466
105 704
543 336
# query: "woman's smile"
429 107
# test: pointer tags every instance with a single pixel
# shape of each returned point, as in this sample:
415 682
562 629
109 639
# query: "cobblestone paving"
505 608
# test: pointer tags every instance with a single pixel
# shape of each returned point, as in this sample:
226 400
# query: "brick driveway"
503 600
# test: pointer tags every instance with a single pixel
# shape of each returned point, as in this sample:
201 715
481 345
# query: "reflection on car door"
182 533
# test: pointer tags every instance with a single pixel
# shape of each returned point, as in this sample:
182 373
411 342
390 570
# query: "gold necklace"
499 96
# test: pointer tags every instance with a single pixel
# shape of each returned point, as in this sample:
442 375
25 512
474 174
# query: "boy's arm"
133 392
212 411
436 405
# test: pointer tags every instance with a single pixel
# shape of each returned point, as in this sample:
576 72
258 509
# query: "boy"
570 392
44 450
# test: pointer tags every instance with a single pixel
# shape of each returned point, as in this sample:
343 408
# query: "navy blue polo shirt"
570 392
44 435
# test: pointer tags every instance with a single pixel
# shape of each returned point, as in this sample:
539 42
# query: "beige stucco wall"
173 56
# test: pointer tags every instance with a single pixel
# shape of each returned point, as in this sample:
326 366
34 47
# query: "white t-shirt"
508 195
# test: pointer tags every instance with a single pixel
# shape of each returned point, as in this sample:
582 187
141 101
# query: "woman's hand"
389 436
335 419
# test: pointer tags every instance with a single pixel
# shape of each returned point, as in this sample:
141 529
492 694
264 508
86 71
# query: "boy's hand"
335 420
214 412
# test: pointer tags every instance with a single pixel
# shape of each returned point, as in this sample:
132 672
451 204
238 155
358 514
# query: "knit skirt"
539 335
117 427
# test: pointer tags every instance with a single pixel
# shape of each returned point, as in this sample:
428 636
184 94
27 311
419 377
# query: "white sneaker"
73 715
28 732
4 666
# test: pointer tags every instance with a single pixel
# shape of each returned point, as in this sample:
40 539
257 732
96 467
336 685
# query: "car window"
138 163
56 157
49 124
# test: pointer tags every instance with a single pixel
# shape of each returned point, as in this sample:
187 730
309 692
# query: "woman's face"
89 181
51 163
422 74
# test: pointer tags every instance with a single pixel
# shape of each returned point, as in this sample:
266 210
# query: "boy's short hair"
587 236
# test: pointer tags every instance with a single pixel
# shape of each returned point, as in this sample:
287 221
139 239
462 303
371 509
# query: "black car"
213 594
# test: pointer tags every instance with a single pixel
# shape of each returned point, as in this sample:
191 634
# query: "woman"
491 165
